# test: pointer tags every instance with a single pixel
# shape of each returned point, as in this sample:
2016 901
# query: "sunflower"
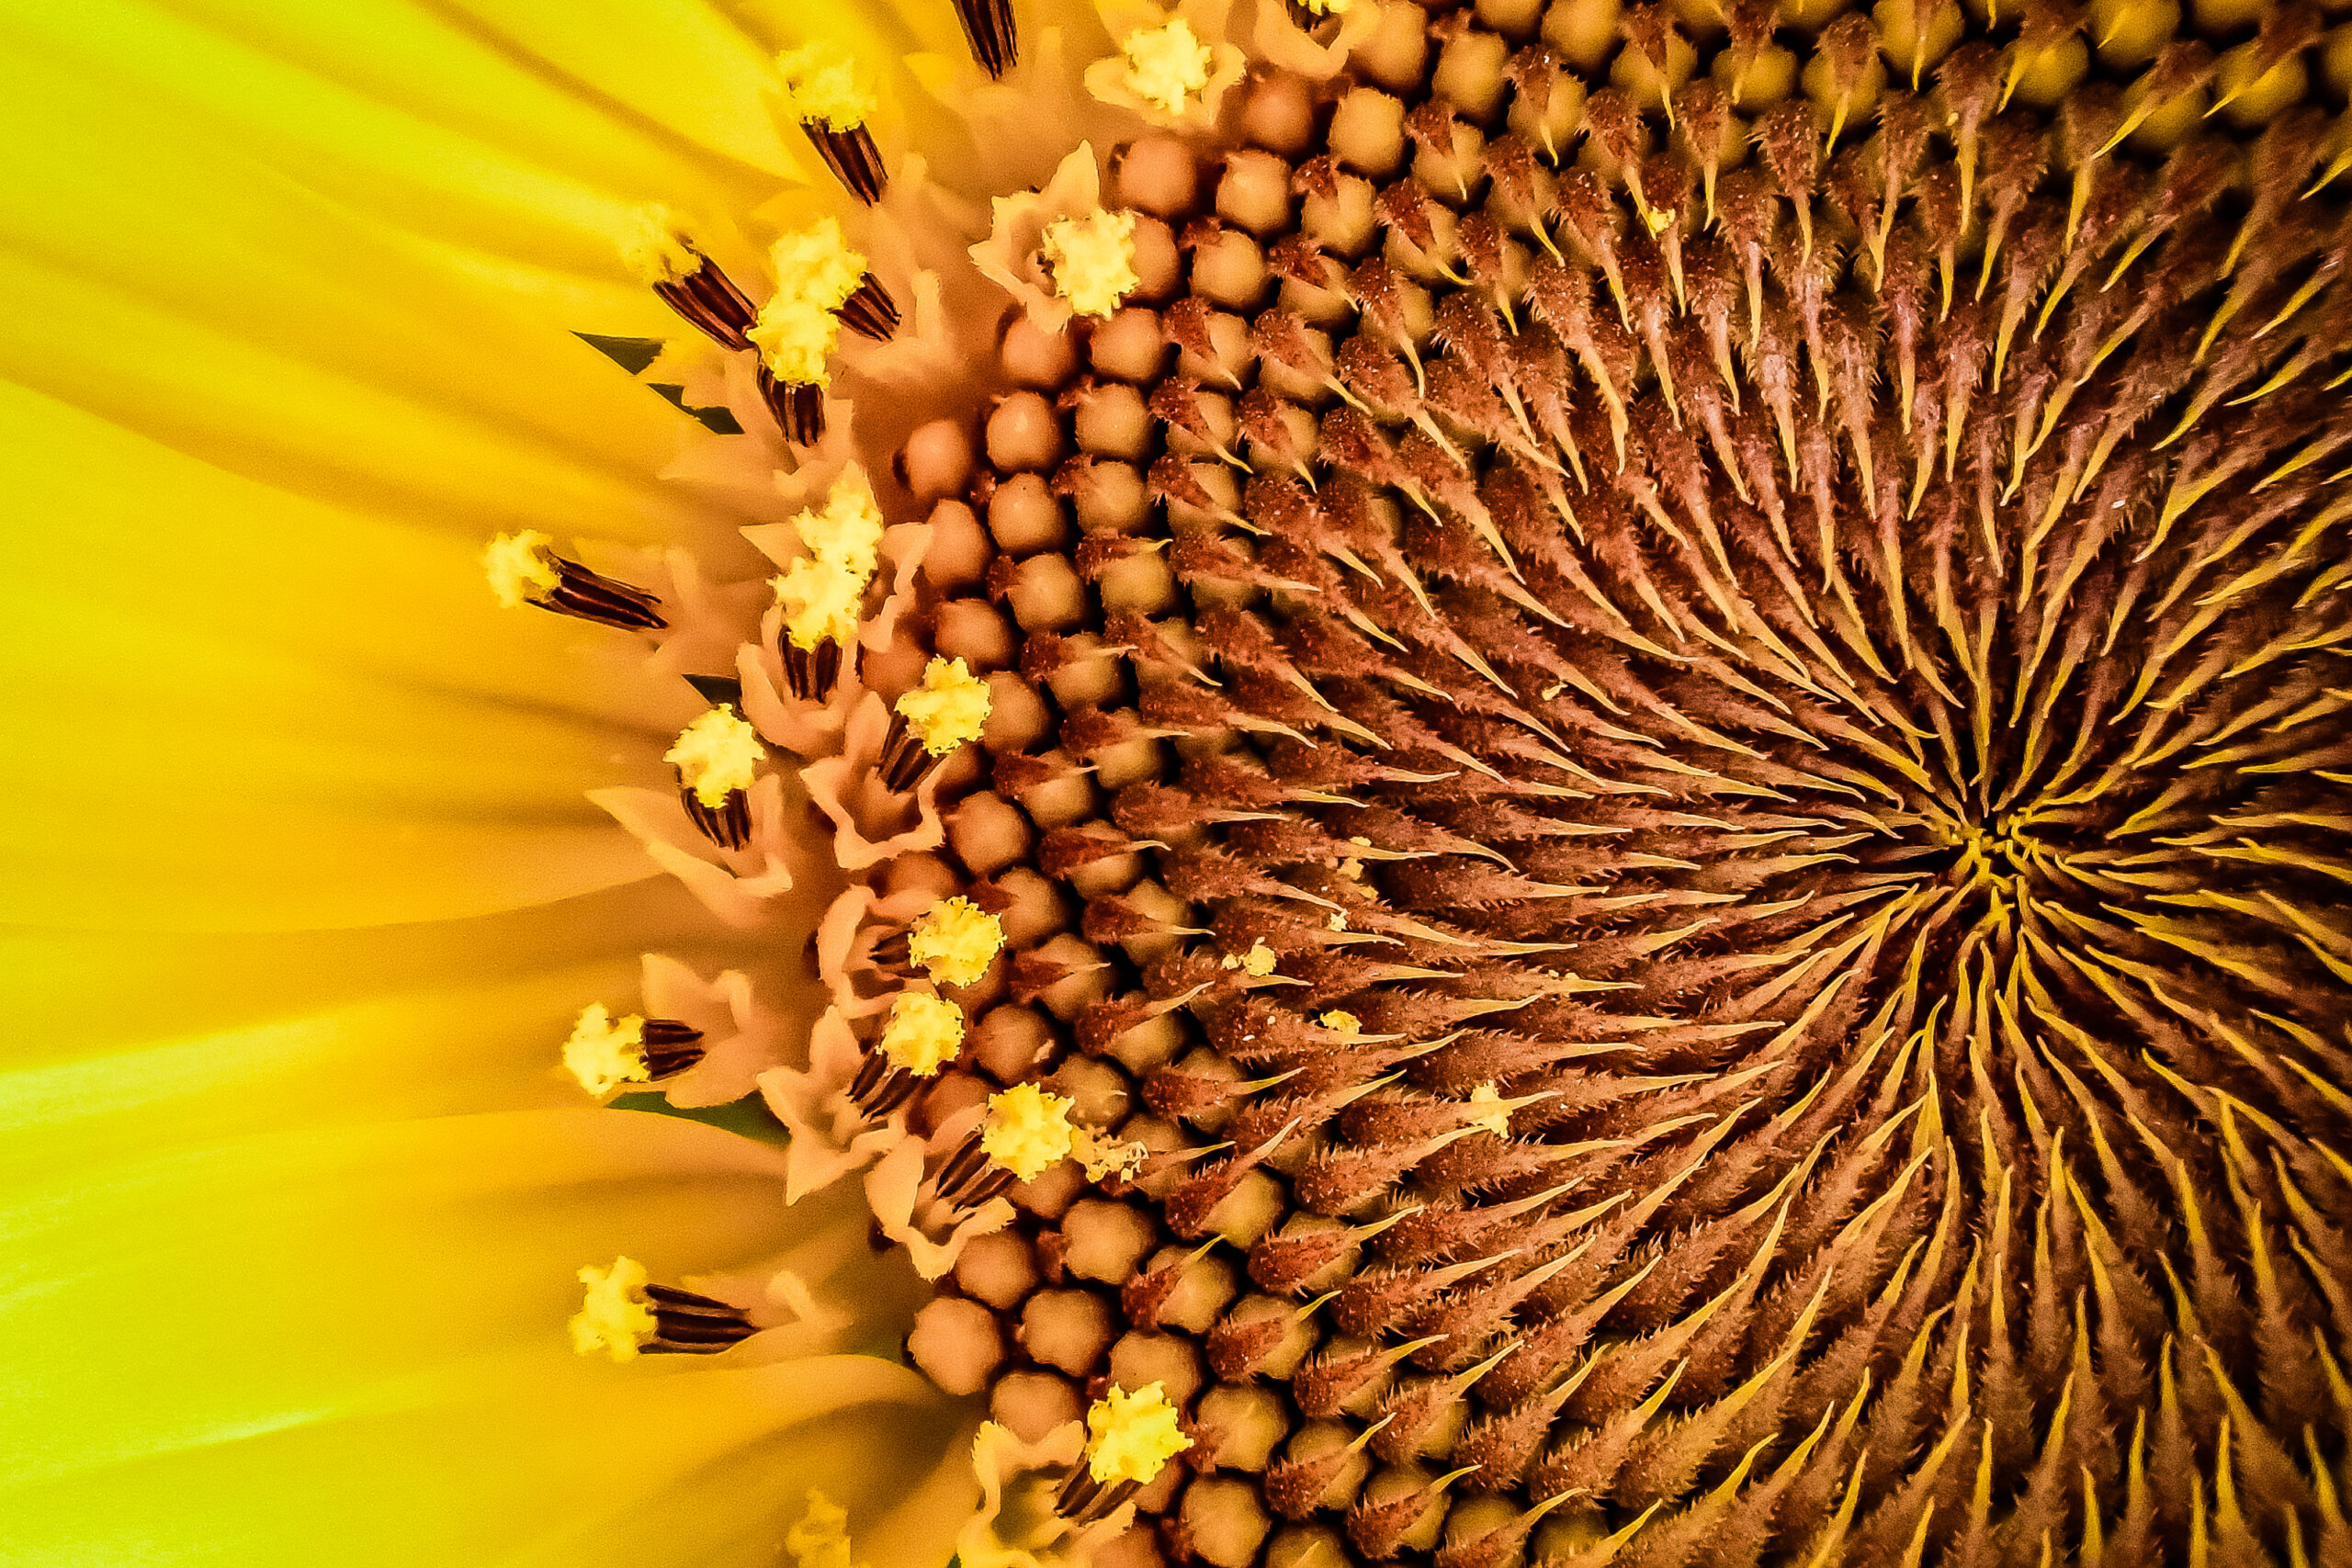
1101 787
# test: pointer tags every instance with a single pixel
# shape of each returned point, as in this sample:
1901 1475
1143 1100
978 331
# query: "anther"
1093 261
954 942
819 601
688 282
1025 1130
988 27
1130 1437
817 276
624 1318
690 1324
522 571
832 108
605 1053
716 756
929 723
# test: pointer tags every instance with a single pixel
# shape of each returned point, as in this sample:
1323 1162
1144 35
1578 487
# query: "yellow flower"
1756 591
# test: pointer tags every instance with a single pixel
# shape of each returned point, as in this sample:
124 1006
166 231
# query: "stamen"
820 600
1130 1437
523 569
924 1033
689 1325
624 1318
1166 65
869 311
716 757
799 407
1026 1129
950 707
832 107
605 1053
955 940
689 282
817 276
988 27
881 1086
1093 261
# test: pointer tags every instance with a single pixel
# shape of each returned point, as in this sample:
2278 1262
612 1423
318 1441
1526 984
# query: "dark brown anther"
1082 1500
869 311
905 759
968 1178
988 27
881 1086
812 674
708 299
853 157
894 954
670 1047
689 1325
590 596
728 824
799 407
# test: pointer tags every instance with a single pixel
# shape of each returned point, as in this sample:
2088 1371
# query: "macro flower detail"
523 569
955 942
603 1052
1093 261
922 1033
832 106
1533 784
1026 1129
1131 1436
717 756
1689 747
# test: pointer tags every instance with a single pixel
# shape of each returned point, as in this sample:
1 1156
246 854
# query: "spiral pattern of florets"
1677 741
1654 873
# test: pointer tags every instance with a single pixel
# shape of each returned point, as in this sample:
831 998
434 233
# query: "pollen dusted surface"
1663 721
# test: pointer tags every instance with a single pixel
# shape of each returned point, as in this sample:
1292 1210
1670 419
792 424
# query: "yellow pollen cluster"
1092 259
604 1054
822 82
516 565
821 596
1341 1023
716 755
794 337
950 707
654 250
816 263
1259 960
615 1318
1028 1129
815 271
1104 1157
1325 8
955 940
1497 1121
924 1032
1165 65
822 1537
847 529
1131 1436
820 600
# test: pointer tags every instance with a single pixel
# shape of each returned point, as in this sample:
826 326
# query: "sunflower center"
1660 710
1582 607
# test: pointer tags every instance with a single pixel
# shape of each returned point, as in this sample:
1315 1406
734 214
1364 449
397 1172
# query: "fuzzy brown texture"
1792 692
